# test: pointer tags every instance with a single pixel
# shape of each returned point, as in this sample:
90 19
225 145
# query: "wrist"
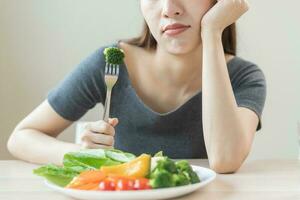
211 33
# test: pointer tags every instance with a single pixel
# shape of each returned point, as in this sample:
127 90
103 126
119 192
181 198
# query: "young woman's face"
180 39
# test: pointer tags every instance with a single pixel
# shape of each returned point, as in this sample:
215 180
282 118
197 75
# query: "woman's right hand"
99 134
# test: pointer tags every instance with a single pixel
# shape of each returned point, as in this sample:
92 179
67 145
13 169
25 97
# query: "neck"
180 70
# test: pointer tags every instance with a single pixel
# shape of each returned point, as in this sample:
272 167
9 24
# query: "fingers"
99 134
98 138
102 127
113 121
91 145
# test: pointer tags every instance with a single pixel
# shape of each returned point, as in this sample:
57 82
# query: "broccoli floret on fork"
114 55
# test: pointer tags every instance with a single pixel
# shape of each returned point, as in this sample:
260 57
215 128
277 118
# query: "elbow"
225 167
11 144
17 148
15 144
221 169
229 161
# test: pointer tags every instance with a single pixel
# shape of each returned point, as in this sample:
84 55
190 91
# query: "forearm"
37 147
223 133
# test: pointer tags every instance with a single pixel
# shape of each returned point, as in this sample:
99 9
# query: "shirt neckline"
148 108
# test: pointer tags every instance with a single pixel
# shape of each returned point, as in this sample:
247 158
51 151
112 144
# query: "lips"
175 29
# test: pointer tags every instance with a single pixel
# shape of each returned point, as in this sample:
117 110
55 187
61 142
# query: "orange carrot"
86 177
88 186
91 176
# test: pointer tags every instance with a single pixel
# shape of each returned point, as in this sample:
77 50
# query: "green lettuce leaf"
58 175
95 158
85 160
119 156
76 162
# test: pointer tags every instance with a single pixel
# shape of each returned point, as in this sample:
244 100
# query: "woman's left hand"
223 14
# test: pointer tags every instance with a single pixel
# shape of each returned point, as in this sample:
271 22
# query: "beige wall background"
43 40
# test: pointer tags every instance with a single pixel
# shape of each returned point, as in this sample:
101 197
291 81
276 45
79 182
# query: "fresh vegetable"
119 156
161 178
114 55
158 156
89 179
107 185
167 173
97 180
95 158
141 184
114 170
88 186
76 162
139 167
121 183
58 175
167 164
180 179
124 184
184 167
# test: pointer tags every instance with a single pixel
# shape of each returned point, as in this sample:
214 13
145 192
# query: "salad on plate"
115 170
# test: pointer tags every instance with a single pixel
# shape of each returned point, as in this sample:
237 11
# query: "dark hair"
146 39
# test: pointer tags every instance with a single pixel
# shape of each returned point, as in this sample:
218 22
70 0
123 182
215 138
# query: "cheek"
199 9
150 20
149 12
207 5
147 8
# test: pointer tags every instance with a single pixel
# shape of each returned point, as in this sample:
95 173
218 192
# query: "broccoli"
184 167
161 178
194 177
166 164
114 55
180 179
167 173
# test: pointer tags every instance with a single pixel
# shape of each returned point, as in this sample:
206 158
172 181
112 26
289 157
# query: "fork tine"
117 73
111 69
106 69
114 70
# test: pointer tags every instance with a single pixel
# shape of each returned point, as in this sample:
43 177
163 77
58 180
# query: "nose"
171 9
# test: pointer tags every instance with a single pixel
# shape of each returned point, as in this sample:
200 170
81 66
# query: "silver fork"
111 77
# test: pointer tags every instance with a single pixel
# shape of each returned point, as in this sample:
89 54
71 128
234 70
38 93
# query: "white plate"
205 175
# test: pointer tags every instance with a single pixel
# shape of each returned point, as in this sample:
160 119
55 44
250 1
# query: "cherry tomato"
125 184
107 185
141 184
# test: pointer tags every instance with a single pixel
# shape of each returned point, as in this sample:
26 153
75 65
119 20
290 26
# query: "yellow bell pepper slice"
138 168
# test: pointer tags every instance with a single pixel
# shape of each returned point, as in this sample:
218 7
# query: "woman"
181 89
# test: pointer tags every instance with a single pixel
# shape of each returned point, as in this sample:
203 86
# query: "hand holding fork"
100 134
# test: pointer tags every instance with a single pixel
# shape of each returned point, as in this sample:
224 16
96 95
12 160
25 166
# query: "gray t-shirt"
179 133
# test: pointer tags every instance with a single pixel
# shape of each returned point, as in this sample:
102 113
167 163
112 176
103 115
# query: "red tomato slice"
107 185
141 184
124 184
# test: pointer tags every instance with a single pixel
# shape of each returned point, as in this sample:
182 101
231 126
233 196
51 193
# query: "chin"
179 47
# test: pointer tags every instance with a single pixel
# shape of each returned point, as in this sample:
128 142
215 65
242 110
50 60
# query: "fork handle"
107 106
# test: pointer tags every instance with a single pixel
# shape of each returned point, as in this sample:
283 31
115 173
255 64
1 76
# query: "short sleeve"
81 89
250 90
